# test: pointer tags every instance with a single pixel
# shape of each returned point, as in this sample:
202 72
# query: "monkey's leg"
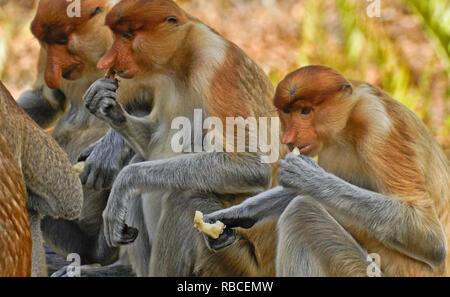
179 250
312 243
386 218
173 250
133 260
39 267
91 245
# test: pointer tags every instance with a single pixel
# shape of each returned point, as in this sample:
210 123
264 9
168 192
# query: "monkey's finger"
84 155
84 176
99 97
94 172
106 83
230 219
95 88
128 235
108 180
92 100
98 184
310 161
111 81
227 238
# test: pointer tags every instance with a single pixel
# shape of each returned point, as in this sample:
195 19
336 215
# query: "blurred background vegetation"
405 51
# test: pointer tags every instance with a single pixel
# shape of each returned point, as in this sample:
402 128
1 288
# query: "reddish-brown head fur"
53 27
305 98
145 32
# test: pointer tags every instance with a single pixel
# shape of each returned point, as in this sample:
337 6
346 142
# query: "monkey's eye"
128 35
172 20
62 41
306 110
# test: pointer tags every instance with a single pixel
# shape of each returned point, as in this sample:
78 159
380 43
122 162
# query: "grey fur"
311 239
387 219
80 133
53 186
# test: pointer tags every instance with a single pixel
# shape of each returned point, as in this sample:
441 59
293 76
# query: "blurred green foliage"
359 46
406 51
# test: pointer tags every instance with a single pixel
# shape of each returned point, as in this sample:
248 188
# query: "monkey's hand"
101 100
104 159
116 231
301 173
232 218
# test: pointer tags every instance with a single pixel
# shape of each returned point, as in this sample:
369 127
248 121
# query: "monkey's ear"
96 11
347 88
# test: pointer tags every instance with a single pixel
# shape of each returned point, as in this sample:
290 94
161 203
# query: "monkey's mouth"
126 73
74 72
304 149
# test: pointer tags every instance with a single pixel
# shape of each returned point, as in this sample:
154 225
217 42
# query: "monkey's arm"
203 172
104 159
411 230
255 209
44 106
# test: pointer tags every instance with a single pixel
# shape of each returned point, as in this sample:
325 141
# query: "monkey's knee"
312 243
295 253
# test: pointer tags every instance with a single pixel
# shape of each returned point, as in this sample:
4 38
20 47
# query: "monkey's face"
312 107
147 35
70 44
299 131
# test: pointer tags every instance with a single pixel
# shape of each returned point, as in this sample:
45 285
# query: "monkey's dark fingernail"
129 235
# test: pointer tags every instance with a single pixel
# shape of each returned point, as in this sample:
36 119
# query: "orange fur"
372 141
54 28
15 234
225 83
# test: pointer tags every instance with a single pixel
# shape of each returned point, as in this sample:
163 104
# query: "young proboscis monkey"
381 185
190 67
71 47
30 159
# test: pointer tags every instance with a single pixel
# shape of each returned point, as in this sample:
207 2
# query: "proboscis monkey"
30 159
70 50
188 66
381 186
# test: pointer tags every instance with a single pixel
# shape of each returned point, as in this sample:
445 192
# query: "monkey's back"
15 233
414 164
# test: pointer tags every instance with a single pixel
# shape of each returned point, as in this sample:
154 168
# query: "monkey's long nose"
53 75
108 60
56 58
289 136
